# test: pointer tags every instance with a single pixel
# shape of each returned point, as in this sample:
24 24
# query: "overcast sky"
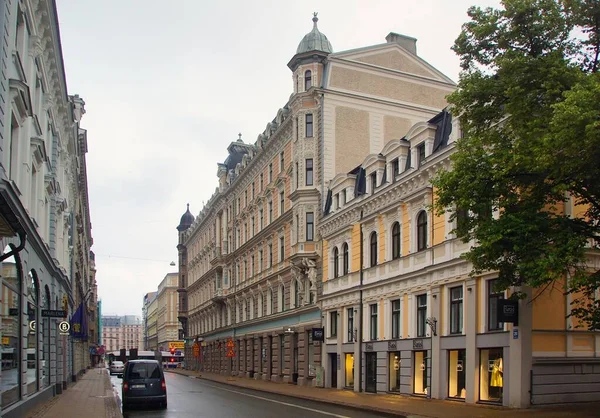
168 86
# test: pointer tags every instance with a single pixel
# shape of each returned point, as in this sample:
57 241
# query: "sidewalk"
398 405
91 396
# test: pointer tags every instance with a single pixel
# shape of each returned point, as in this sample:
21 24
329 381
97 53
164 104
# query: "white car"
117 367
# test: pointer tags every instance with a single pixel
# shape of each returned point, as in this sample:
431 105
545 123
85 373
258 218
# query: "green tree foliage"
529 104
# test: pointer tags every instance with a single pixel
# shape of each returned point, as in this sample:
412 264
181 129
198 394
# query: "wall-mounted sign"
515 333
32 326
54 313
392 345
318 334
177 345
418 344
64 327
369 347
508 311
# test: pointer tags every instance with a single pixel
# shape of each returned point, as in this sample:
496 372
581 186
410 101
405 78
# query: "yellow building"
165 319
249 262
399 304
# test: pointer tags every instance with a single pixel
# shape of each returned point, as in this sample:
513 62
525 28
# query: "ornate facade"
249 262
45 227
399 303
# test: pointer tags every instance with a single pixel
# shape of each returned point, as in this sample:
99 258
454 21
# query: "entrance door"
371 375
333 367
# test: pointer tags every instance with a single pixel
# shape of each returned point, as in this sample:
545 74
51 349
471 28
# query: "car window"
153 371
138 371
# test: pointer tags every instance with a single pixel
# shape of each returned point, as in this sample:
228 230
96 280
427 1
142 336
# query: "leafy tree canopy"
528 100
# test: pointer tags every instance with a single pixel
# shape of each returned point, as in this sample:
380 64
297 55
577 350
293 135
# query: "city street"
191 397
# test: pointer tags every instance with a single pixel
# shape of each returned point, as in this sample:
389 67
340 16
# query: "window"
343 197
373 249
456 310
307 79
309 125
493 297
281 249
297 176
309 172
270 255
395 169
297 128
252 265
373 321
394 367
396 319
253 230
333 318
270 211
346 260
336 264
422 231
281 202
261 182
491 366
296 294
420 373
421 315
270 172
245 197
260 260
456 373
261 218
373 178
421 153
252 191
281 162
310 226
350 313
396 241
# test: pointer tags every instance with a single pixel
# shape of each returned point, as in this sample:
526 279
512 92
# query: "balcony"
219 296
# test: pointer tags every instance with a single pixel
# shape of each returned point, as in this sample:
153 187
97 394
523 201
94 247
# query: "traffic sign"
230 353
64 327
196 348
230 344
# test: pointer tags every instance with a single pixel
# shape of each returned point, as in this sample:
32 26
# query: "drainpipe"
360 309
23 237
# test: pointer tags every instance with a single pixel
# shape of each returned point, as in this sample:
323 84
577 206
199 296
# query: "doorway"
333 367
371 374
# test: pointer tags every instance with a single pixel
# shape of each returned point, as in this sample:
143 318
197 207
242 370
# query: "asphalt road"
191 397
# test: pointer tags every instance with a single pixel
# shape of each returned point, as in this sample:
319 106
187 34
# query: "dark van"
144 383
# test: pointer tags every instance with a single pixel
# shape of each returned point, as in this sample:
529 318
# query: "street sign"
230 348
54 313
230 353
177 345
196 348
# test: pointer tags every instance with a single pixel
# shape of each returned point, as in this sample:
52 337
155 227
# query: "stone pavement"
399 405
92 396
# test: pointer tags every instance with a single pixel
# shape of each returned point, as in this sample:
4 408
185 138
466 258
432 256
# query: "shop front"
491 375
457 374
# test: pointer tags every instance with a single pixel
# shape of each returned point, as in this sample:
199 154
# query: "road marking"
331 414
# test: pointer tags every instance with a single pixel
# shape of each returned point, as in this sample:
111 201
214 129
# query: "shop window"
420 373
32 343
349 369
491 371
10 353
456 373
394 371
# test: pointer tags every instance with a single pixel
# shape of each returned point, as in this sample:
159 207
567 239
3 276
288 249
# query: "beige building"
148 299
122 332
249 261
167 326
151 329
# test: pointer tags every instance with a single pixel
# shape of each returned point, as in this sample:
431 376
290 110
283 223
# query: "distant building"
122 332
167 326
148 299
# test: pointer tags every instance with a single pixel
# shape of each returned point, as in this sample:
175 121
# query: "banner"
79 328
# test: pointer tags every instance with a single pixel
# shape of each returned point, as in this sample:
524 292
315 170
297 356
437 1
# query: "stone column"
470 329
520 360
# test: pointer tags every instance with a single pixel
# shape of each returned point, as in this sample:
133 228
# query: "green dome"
314 41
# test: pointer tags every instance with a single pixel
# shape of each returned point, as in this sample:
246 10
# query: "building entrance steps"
92 396
400 405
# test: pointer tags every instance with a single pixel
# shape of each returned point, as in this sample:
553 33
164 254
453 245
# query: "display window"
420 373
394 368
349 369
456 373
491 374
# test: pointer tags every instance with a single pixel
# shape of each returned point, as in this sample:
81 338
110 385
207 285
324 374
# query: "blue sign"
515 334
178 353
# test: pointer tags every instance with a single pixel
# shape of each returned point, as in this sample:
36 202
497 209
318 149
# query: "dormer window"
395 169
307 80
421 154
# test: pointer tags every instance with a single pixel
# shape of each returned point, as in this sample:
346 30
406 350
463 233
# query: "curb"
383 411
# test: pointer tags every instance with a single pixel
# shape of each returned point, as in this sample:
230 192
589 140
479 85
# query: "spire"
314 40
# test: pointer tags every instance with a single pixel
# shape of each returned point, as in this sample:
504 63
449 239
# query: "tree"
528 100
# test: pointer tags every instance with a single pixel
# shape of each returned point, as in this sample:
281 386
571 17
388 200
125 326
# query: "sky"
168 86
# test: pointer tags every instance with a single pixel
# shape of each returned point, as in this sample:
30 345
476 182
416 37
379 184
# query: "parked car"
117 367
144 383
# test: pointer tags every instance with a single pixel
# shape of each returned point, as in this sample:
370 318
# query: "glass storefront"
32 346
456 373
491 370
9 301
349 370
394 367
420 373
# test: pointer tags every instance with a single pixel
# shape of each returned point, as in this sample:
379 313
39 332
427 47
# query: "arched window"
336 263
422 230
261 305
346 259
280 299
270 302
396 240
373 246
307 80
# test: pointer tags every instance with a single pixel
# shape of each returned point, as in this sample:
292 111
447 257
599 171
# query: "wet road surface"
191 397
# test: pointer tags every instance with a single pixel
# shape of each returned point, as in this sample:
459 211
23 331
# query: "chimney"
406 42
